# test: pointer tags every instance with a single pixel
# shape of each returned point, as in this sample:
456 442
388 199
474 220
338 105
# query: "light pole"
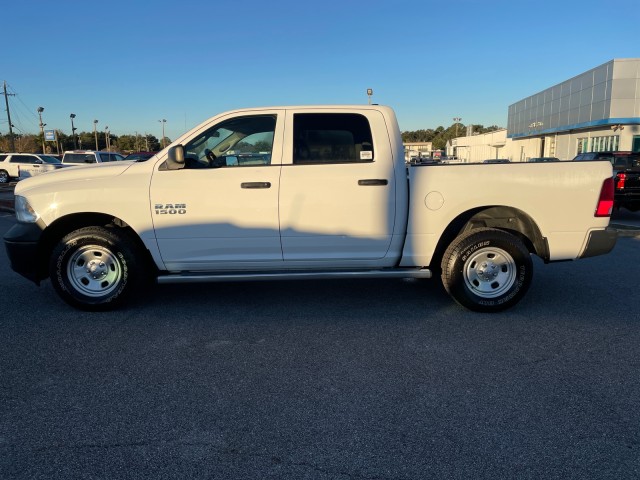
40 110
369 94
457 120
95 132
106 137
163 121
73 131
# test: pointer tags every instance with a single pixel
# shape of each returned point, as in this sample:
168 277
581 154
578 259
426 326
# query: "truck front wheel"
94 268
487 270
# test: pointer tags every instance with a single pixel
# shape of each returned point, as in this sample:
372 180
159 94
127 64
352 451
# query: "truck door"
221 210
337 188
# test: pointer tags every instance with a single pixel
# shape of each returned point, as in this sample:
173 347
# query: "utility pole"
6 101
42 125
73 131
163 121
457 120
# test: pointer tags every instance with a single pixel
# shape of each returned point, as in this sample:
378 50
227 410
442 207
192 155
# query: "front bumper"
600 242
21 243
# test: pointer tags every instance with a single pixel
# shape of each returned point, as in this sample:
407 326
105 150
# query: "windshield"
48 159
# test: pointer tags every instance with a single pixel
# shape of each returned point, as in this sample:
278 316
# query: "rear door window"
324 138
79 158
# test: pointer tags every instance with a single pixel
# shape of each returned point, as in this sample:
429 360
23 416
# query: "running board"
194 277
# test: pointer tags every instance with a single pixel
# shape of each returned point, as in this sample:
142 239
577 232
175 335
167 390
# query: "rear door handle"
372 182
255 185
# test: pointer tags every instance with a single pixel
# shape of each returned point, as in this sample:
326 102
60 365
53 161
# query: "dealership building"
598 110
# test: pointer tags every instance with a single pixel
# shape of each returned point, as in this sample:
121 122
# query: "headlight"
24 212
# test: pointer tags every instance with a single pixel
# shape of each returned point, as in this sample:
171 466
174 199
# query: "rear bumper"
622 198
600 242
21 243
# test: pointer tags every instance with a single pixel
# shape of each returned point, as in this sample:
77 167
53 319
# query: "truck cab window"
241 141
331 138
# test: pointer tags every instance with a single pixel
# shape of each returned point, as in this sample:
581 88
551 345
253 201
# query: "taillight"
605 202
621 179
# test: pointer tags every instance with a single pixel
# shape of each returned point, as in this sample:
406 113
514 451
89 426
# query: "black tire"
4 177
487 270
95 268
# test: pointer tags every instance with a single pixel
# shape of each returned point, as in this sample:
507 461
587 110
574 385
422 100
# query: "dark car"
543 159
139 156
619 160
626 173
497 160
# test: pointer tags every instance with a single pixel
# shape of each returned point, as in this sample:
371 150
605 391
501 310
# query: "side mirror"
175 158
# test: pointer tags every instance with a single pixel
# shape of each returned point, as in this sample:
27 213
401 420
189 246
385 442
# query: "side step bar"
194 277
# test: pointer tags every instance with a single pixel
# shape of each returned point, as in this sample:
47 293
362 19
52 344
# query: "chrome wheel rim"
94 271
490 272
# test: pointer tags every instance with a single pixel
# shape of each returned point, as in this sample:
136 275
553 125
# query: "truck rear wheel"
94 268
487 270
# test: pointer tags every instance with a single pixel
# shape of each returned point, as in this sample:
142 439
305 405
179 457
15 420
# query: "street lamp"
73 131
106 137
163 121
457 120
95 132
40 110
369 94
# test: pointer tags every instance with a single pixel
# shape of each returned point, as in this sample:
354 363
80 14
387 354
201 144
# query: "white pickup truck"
305 192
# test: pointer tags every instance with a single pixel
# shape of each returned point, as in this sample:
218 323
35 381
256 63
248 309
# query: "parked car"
497 160
90 156
16 165
620 160
543 159
140 156
626 173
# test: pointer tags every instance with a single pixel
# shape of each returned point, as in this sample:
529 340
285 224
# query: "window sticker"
366 155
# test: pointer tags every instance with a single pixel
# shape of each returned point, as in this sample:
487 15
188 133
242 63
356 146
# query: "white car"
20 165
83 157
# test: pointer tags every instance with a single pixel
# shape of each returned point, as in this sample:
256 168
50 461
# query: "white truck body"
280 213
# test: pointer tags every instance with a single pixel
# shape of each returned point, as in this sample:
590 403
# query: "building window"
582 145
609 143
605 144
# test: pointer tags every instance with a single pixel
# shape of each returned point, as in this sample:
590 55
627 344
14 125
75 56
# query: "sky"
130 64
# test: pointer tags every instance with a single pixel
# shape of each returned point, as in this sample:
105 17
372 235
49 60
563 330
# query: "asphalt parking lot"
369 379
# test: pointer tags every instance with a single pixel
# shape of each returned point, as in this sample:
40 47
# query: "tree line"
30 143
440 136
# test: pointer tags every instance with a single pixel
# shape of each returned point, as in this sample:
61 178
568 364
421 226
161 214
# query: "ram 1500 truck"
305 192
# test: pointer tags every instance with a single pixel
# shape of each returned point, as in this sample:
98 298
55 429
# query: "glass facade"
605 95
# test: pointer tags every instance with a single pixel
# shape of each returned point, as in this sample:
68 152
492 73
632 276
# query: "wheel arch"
64 225
509 219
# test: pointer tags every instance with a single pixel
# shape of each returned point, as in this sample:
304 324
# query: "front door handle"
372 182
255 185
